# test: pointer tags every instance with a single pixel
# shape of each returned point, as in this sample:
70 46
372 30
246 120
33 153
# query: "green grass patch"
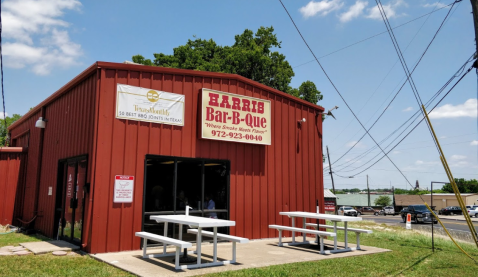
49 265
411 255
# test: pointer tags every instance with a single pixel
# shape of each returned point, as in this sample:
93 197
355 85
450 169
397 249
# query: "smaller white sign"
50 191
124 187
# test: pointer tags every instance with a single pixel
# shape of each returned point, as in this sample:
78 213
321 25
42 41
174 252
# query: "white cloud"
36 37
390 10
2 116
458 157
438 5
354 11
459 164
467 109
475 142
407 109
321 8
396 152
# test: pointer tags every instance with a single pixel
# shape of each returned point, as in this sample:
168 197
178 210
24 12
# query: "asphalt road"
456 226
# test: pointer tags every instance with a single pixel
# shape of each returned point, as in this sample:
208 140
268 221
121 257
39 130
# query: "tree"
464 186
383 200
3 130
251 56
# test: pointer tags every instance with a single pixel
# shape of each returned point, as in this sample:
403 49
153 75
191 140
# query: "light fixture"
299 122
329 113
41 123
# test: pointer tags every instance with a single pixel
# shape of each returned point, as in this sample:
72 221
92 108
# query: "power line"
381 33
407 73
427 104
1 72
418 122
338 92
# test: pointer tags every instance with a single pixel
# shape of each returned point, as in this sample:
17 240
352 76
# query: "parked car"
473 212
367 210
390 210
451 210
346 210
419 214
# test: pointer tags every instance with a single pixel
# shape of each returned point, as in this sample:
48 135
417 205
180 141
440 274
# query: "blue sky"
48 42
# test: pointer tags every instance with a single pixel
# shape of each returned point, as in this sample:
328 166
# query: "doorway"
70 199
171 183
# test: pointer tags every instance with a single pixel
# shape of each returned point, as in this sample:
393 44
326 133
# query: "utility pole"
474 8
393 197
331 176
368 192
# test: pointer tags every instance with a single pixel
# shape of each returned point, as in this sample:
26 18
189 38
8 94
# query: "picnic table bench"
357 231
166 241
230 238
321 234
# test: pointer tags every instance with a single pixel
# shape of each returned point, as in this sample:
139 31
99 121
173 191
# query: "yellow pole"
452 180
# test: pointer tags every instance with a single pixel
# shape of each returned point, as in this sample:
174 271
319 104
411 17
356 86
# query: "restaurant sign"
149 105
233 117
329 206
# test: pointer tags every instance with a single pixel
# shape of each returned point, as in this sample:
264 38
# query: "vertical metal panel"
12 166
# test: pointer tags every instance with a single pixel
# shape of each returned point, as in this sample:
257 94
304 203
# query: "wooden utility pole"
330 170
368 192
331 177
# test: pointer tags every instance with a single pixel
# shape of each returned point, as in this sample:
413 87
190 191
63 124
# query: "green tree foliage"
464 186
382 200
251 56
3 130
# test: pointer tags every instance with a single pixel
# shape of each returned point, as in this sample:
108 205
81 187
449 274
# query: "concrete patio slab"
256 253
42 247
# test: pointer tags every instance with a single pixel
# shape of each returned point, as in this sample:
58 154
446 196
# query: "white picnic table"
331 217
199 223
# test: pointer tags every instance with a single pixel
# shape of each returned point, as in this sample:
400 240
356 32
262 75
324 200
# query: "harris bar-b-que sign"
143 104
233 117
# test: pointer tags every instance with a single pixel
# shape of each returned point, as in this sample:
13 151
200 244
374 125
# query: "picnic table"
199 223
334 218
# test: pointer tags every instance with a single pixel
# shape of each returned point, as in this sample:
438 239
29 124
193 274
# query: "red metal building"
71 164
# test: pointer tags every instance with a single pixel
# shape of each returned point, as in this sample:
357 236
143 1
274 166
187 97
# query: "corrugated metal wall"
12 167
264 180
68 133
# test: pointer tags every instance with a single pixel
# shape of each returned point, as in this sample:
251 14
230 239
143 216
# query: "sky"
46 43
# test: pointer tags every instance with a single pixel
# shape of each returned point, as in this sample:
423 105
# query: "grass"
49 265
411 255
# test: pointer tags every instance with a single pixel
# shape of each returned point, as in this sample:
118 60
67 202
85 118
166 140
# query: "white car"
473 212
345 210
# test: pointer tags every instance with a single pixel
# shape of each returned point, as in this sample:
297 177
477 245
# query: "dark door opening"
171 183
70 199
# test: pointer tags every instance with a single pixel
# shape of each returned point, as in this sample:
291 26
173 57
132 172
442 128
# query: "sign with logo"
149 105
124 187
329 206
232 117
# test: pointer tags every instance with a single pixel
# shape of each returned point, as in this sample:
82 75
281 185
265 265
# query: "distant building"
358 200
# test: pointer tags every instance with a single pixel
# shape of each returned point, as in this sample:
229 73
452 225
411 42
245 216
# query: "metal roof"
329 194
358 199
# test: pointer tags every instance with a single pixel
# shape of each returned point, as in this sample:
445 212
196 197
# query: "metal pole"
368 192
331 176
433 238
